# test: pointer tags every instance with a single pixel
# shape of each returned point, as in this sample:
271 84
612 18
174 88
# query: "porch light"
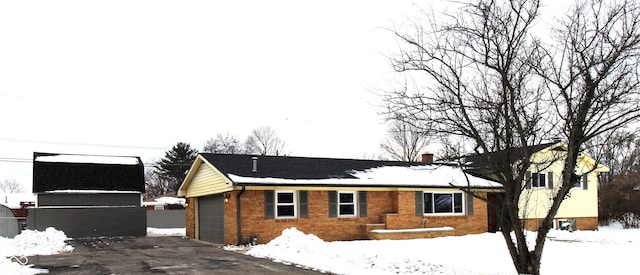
227 196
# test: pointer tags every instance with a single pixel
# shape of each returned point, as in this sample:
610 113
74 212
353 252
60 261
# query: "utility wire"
82 144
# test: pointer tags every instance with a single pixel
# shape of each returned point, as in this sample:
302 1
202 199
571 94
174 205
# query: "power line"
82 144
24 160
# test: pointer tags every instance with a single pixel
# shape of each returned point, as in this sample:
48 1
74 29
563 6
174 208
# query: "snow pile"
30 243
352 257
579 252
158 232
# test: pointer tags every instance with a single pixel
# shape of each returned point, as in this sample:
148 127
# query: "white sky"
132 78
143 75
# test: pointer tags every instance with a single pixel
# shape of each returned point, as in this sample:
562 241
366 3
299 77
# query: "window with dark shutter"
268 204
469 203
333 204
304 203
362 203
419 203
441 203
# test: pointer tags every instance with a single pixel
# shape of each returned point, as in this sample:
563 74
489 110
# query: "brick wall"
190 215
401 204
582 223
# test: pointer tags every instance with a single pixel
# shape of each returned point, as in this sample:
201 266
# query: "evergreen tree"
176 162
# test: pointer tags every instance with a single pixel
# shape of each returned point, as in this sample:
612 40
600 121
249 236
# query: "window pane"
347 210
285 211
442 203
457 202
542 180
428 203
285 197
346 197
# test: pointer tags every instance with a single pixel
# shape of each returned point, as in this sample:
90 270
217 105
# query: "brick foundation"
582 223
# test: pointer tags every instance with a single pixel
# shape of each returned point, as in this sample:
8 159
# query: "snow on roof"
89 159
69 191
418 176
164 201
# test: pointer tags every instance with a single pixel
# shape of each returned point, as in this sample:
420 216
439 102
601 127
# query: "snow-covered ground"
610 250
30 243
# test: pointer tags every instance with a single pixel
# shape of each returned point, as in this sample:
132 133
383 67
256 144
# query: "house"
164 203
19 203
241 198
579 211
88 196
165 212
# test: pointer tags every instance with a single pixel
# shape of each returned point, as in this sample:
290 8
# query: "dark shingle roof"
481 160
61 175
294 167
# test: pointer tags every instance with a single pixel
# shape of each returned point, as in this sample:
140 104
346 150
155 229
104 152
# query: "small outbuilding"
88 196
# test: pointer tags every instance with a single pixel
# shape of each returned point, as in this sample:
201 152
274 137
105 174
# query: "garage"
211 218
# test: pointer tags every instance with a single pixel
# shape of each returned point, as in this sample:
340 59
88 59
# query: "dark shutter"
550 180
469 196
304 204
585 179
419 203
268 204
527 180
333 204
362 203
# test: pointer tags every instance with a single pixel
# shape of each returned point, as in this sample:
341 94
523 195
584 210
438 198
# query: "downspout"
238 212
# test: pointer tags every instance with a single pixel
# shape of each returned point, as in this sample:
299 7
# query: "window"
538 180
158 207
347 204
285 204
443 203
582 182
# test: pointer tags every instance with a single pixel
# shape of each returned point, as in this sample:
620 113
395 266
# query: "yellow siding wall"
207 181
535 203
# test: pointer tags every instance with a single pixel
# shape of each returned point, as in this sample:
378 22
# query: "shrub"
629 220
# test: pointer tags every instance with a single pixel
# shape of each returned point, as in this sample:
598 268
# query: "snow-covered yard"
611 250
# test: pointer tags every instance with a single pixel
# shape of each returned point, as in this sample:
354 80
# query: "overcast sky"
133 78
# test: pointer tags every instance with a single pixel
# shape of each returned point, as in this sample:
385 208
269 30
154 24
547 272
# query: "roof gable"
55 172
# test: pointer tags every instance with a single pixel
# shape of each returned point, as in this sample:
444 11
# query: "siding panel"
207 181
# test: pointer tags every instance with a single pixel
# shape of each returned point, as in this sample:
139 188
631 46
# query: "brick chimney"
427 158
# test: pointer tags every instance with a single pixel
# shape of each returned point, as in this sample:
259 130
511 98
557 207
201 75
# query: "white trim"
412 230
544 176
355 204
452 213
294 204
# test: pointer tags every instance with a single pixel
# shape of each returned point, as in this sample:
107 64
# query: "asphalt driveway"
156 255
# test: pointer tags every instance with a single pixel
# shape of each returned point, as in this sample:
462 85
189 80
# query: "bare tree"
592 75
223 144
155 184
11 186
494 85
265 141
405 141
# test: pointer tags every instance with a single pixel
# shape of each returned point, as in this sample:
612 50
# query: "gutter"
238 212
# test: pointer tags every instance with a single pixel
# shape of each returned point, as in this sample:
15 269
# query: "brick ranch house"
233 198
